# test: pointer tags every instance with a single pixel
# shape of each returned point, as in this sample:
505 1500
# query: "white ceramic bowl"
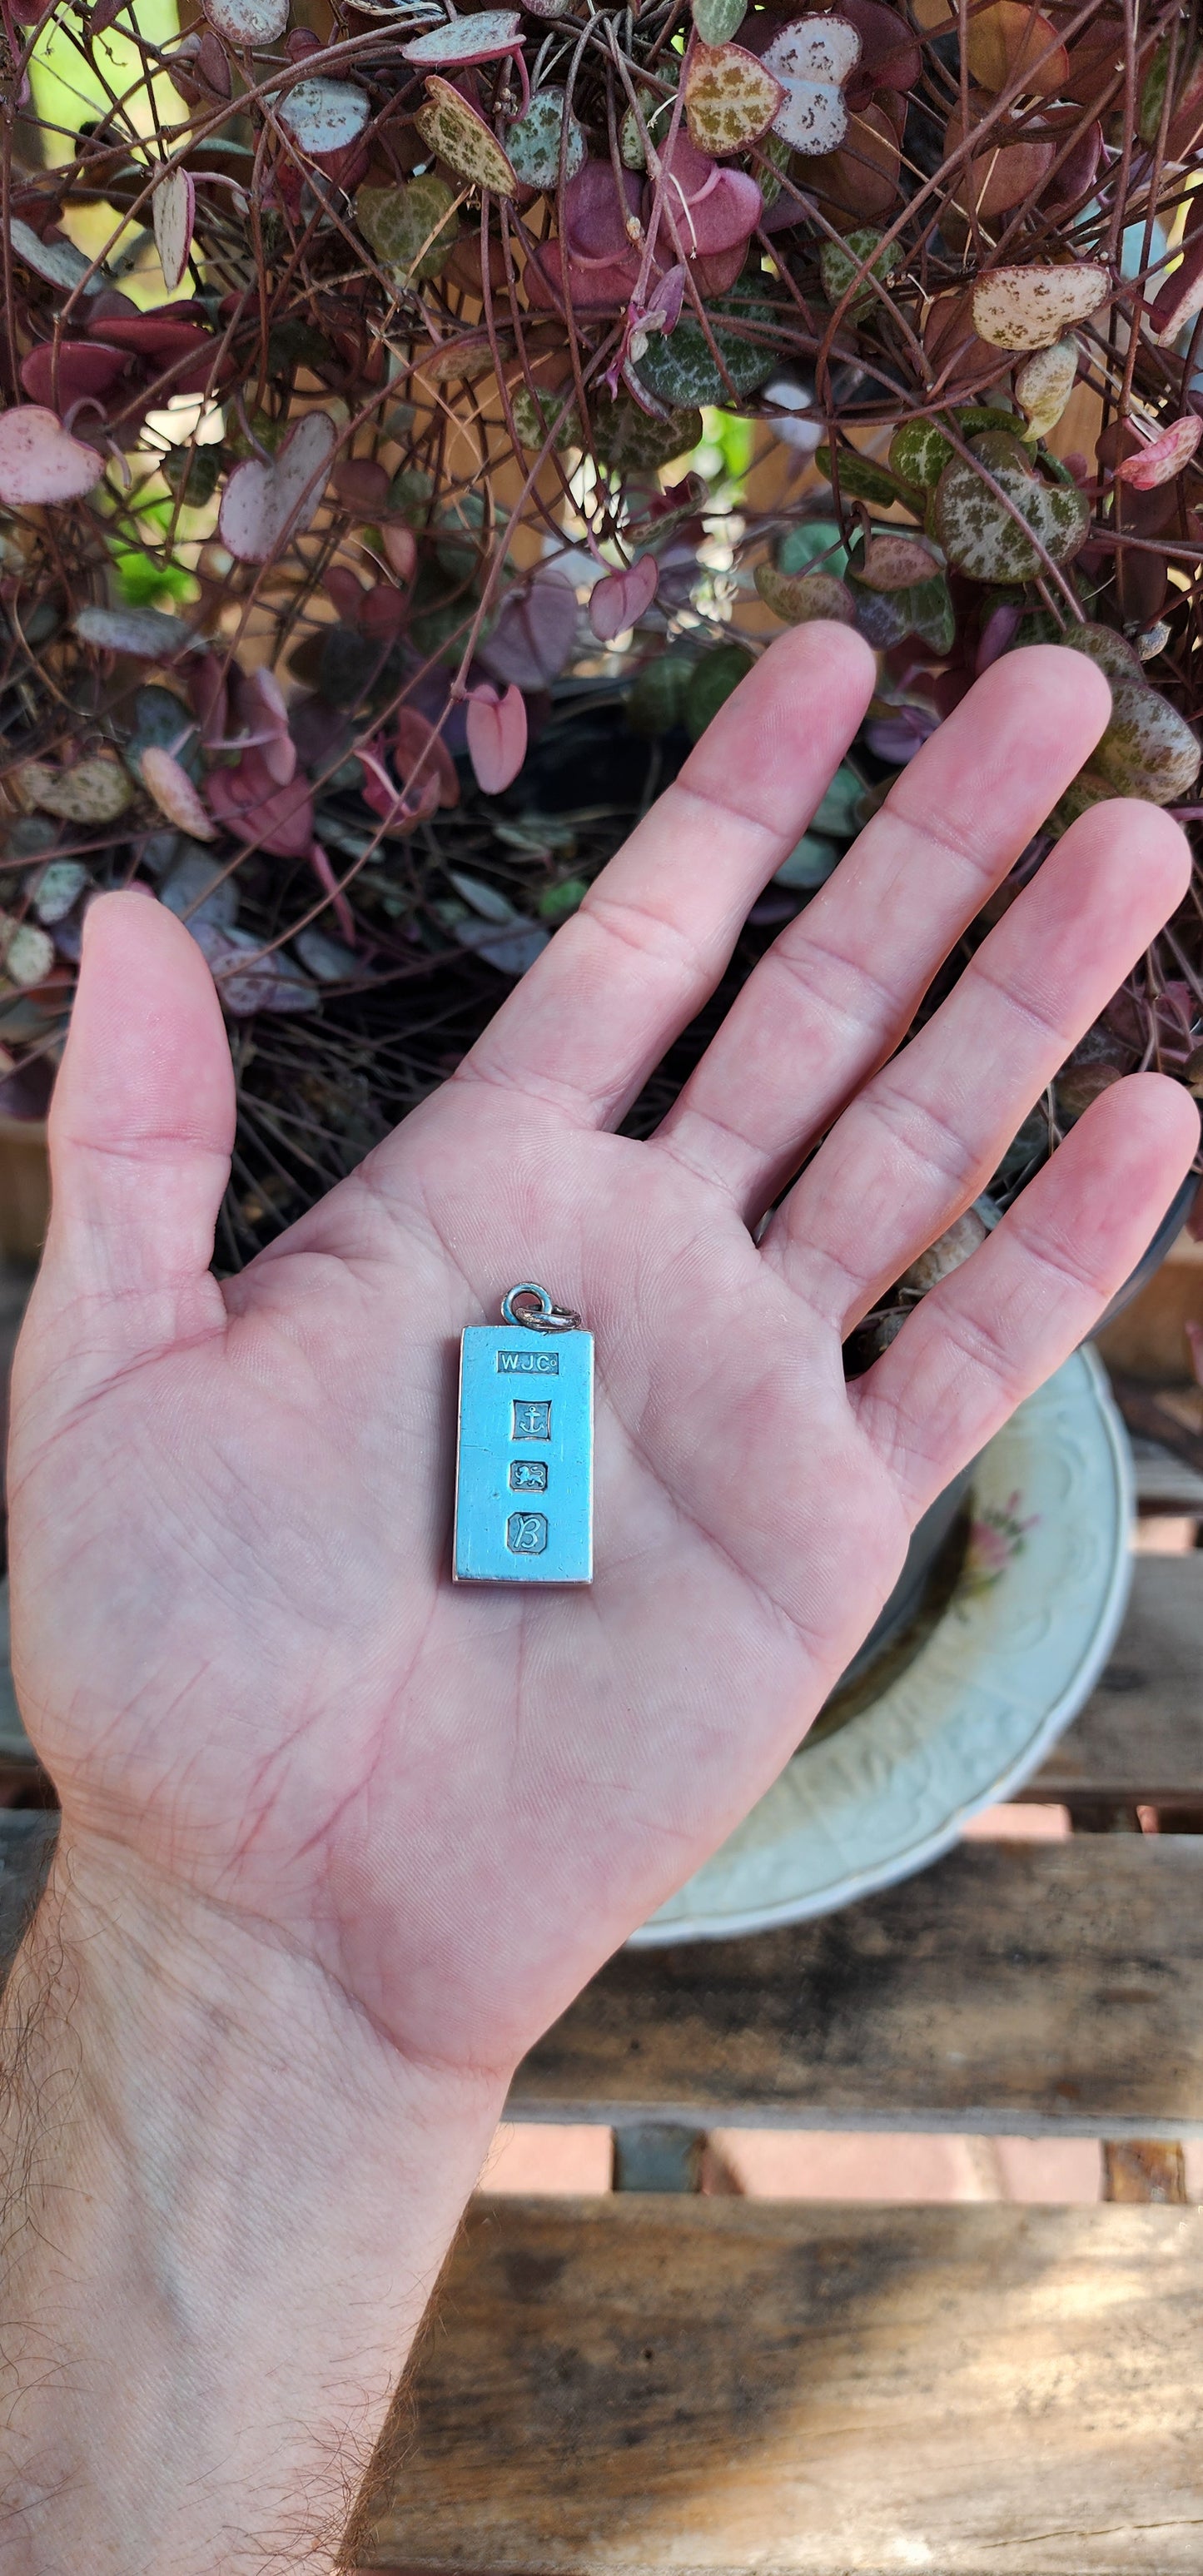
1017 1651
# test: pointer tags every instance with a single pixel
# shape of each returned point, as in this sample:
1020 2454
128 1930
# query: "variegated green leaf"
841 262
797 598
982 539
919 453
412 229
677 366
450 127
630 441
861 477
718 20
1148 748
534 141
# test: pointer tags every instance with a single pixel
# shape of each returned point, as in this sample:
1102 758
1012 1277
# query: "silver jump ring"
550 1318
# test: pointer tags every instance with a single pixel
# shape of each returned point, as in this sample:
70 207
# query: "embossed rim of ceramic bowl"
977 1647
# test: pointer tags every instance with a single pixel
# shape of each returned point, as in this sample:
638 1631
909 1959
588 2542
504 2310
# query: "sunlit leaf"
461 138
265 503
1148 748
1010 41
1029 308
248 22
534 140
174 793
718 20
919 453
60 263
1043 386
173 210
1164 457
26 954
95 791
797 598
812 57
731 98
981 538
324 115
479 38
40 461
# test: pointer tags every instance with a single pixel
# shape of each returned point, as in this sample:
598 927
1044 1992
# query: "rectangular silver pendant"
524 1463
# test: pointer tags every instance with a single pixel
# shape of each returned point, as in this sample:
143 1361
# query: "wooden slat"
1039 1987
661 2388
1140 1735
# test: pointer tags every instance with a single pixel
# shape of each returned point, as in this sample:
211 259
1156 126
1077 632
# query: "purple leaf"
496 736
619 600
85 371
40 461
251 804
535 633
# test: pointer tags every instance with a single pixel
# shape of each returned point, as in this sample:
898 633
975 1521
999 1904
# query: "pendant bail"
550 1317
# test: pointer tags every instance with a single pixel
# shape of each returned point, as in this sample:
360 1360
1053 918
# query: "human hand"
237 1646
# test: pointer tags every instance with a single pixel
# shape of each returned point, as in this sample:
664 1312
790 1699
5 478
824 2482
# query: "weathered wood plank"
1140 1735
660 2388
1039 1987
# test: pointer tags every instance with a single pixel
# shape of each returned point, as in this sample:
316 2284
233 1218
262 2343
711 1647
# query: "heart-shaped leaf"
1164 457
620 599
496 736
197 887
677 366
1148 748
814 49
535 632
895 562
730 98
40 461
71 371
534 141
26 954
412 229
540 417
1029 308
362 485
1043 386
324 116
174 793
248 22
260 711
919 453
450 127
841 263
400 551
60 263
631 441
718 20
144 631
1111 651
265 503
981 538
58 890
95 791
797 598
1010 41
251 804
479 38
812 57
173 212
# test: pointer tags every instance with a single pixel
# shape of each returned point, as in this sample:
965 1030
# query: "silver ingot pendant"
524 1461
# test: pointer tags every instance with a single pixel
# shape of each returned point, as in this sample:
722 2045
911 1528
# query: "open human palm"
238 1647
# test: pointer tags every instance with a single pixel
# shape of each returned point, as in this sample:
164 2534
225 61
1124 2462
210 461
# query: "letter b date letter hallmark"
513 1444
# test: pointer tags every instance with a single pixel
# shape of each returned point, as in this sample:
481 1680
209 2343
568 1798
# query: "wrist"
238 2196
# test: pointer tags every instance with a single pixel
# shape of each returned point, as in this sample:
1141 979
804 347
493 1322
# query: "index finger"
594 1015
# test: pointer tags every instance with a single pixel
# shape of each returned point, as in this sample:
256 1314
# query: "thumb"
141 1130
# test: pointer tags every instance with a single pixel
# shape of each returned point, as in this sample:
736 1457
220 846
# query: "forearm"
226 2203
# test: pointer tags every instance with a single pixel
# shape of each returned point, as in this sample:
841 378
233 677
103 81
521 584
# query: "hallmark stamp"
528 1363
532 1420
526 1533
528 1476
